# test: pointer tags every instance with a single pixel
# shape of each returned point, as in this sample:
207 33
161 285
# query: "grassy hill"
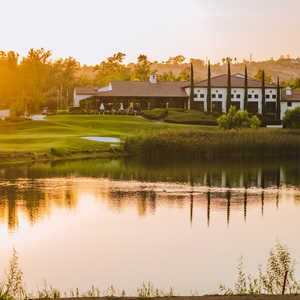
286 69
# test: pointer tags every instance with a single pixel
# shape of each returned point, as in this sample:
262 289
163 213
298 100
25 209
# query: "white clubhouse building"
153 94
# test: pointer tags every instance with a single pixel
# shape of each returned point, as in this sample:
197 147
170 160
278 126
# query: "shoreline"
204 297
15 159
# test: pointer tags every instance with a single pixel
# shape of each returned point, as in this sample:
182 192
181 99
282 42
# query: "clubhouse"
142 95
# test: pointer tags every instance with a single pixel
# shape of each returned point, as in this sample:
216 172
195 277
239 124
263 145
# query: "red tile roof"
237 81
295 97
85 91
145 89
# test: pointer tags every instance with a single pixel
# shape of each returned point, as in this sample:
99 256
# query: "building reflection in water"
218 189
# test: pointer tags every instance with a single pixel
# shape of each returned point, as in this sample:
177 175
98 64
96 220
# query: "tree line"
30 83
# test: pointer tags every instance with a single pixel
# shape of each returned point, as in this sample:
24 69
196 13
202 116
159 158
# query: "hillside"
286 69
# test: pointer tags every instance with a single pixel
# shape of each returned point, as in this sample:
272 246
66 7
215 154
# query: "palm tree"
228 99
209 89
246 90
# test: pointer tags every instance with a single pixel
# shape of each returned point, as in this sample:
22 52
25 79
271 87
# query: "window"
271 92
213 95
220 96
238 96
290 104
274 97
232 96
249 96
256 96
201 95
267 96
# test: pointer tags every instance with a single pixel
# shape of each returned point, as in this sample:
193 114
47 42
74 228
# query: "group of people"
133 108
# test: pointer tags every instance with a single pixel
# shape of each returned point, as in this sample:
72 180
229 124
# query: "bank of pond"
78 136
210 144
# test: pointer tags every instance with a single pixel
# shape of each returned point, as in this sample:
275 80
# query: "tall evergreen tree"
228 99
278 110
246 90
209 89
192 93
263 89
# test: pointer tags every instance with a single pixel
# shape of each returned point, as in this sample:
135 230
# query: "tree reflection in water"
33 191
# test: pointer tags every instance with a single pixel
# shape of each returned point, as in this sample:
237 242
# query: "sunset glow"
92 30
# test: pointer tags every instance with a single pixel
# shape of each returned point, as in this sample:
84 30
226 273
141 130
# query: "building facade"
137 95
219 92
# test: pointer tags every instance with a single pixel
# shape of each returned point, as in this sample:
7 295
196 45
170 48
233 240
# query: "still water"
100 222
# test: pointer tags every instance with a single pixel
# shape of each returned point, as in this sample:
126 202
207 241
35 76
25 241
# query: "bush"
238 119
155 114
191 117
292 118
76 110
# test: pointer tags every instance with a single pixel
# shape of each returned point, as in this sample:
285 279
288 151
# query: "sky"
92 30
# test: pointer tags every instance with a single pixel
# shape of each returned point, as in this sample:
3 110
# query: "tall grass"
196 143
269 280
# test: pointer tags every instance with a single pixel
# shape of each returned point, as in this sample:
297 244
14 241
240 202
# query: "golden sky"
91 30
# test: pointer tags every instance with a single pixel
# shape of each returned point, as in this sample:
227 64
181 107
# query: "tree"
64 79
291 118
142 69
184 75
112 69
246 90
192 93
263 90
199 63
179 59
167 77
209 89
259 74
237 119
35 78
278 110
228 98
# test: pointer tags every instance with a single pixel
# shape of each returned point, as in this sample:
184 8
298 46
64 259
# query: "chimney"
289 91
153 78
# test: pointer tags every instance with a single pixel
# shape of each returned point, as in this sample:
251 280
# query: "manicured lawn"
62 132
191 117
181 117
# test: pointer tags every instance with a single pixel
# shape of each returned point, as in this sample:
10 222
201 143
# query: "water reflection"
33 191
128 222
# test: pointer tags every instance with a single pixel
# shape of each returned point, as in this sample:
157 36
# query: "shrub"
292 118
191 117
155 114
238 119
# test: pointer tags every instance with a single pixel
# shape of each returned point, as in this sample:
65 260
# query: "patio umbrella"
121 106
102 106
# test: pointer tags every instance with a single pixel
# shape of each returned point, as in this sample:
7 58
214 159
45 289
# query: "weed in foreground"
270 280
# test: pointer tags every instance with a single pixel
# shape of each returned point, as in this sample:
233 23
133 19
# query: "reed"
210 144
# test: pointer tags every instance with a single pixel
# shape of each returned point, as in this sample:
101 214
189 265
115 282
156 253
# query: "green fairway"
61 134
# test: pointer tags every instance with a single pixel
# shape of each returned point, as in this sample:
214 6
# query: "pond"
100 222
102 139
